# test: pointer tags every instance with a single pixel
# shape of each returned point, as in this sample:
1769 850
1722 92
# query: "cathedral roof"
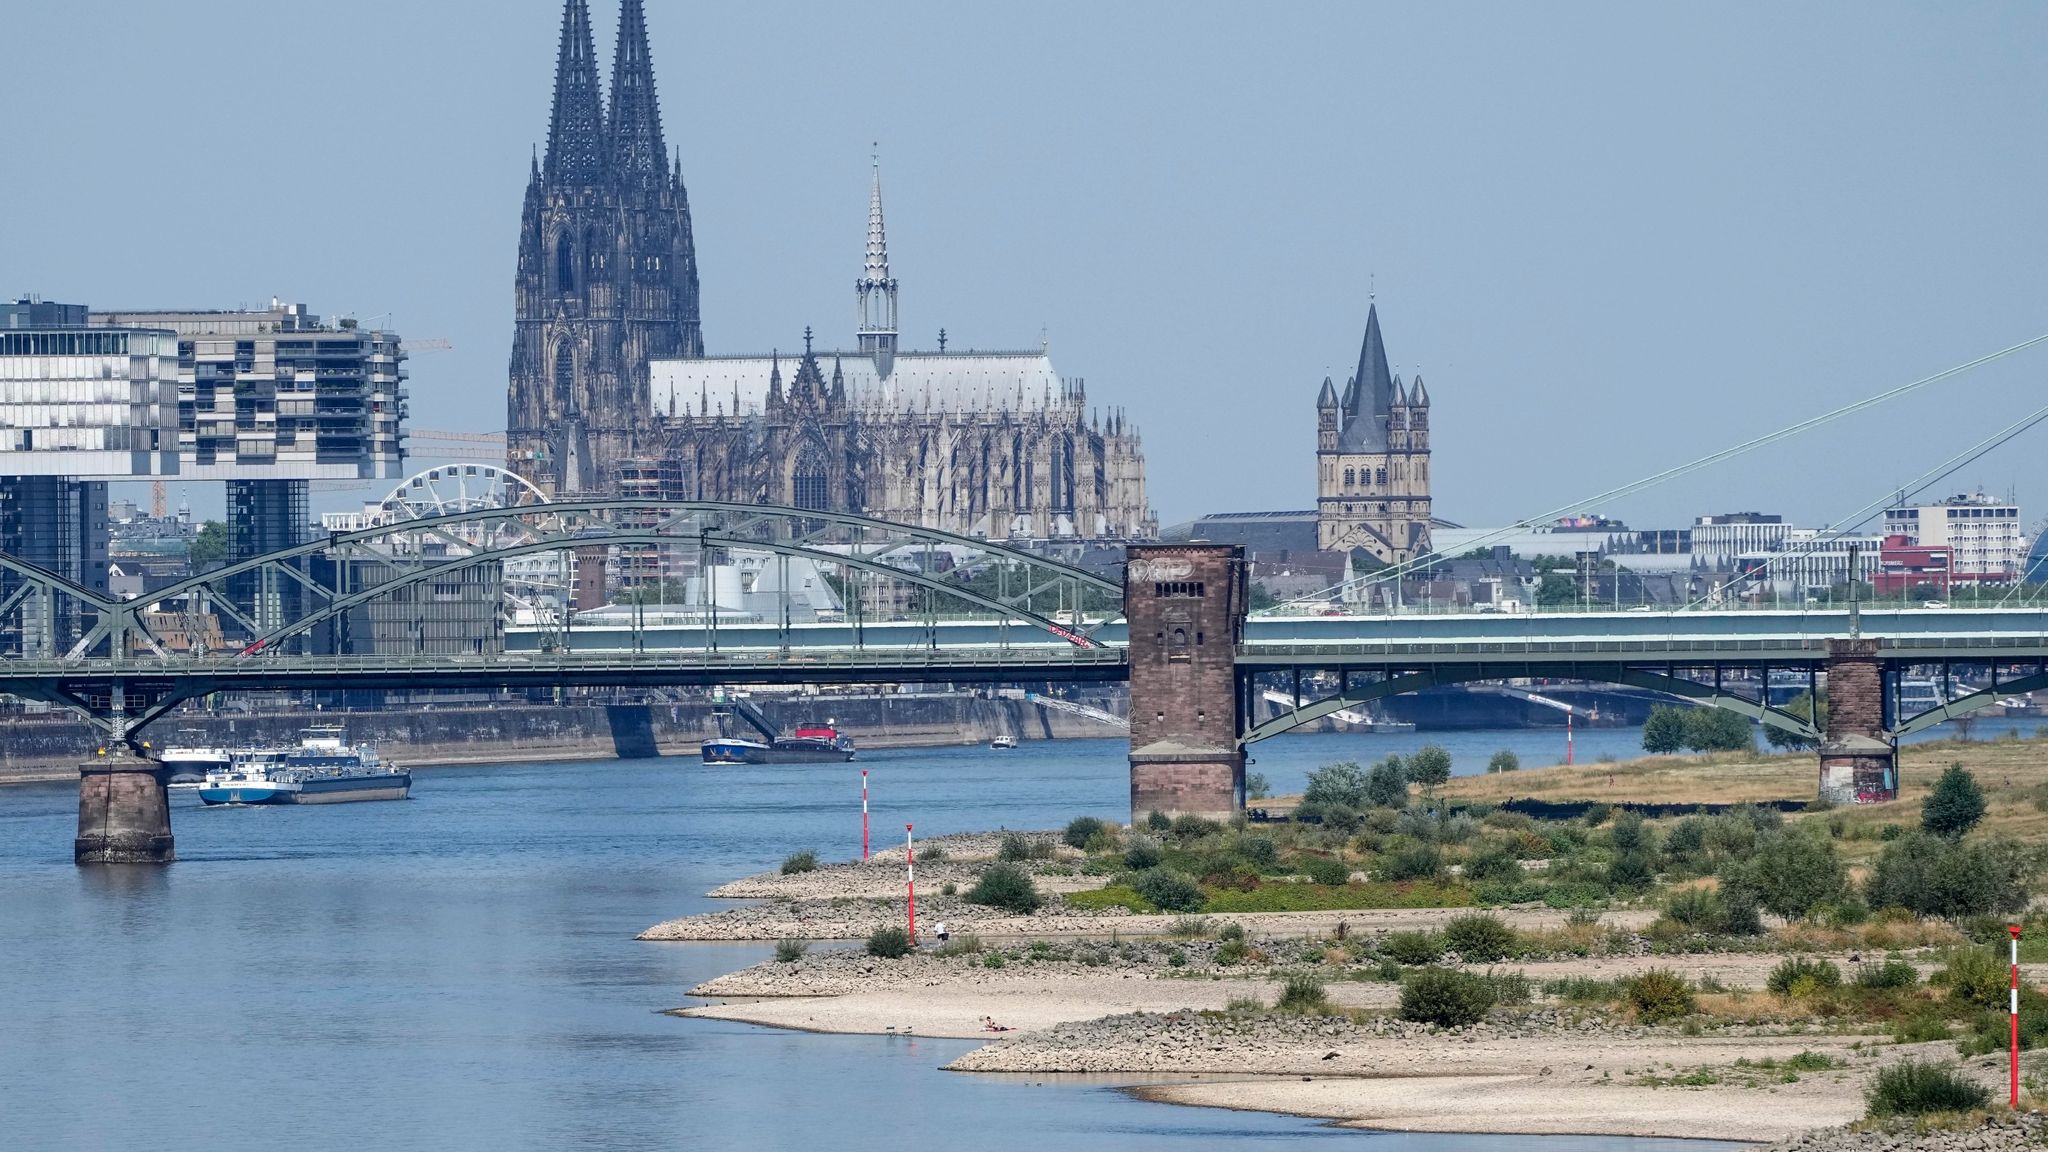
1371 399
918 381
1328 397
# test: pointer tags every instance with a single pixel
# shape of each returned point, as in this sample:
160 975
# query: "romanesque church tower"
1372 459
607 277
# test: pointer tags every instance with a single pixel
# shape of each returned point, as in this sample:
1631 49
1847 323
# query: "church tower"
877 289
1372 459
607 275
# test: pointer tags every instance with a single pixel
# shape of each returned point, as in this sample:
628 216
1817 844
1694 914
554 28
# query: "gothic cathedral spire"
637 154
876 288
576 135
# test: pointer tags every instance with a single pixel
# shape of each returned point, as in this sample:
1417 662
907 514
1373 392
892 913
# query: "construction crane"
459 445
159 500
431 344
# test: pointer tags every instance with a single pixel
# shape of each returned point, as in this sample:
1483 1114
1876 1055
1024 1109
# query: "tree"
1387 785
1718 730
1804 707
1556 589
1260 598
1930 876
208 548
1256 787
1430 767
1344 783
1664 732
1504 761
1955 805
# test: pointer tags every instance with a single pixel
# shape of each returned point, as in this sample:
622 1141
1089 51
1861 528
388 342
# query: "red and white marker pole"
1567 737
2015 929
910 882
863 813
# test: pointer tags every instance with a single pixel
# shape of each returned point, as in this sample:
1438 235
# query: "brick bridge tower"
1858 762
1185 604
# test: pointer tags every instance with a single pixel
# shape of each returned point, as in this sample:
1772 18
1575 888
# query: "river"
458 971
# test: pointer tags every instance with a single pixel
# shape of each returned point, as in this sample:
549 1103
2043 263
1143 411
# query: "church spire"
637 153
876 288
1369 402
576 137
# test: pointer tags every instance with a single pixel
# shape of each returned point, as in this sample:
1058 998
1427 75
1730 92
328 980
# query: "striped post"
2015 929
910 882
863 813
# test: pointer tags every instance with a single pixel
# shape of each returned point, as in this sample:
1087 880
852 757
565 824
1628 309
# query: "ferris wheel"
535 583
452 488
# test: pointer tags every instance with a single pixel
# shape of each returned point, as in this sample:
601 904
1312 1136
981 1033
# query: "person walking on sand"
943 934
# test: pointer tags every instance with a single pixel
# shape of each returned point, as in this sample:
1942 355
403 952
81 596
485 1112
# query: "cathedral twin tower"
607 277
612 393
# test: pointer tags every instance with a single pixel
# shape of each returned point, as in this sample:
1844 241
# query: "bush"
1493 865
1630 834
1699 909
1018 847
1659 995
1158 821
795 862
1231 931
930 854
1168 890
889 943
1976 976
1445 997
1791 873
1082 829
1006 886
1259 851
1929 876
1889 975
1413 947
1955 805
1256 787
1189 827
1913 1087
965 944
992 960
1343 783
1327 870
1142 854
1631 872
1503 761
1479 938
1796 977
1188 928
1303 993
1386 786
789 951
1419 862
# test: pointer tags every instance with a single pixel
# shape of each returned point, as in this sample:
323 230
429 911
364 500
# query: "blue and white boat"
324 769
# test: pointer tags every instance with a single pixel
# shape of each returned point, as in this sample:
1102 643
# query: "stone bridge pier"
1186 606
1858 761
124 810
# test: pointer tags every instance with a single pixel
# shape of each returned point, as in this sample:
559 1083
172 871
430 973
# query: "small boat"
733 750
1001 743
810 744
323 769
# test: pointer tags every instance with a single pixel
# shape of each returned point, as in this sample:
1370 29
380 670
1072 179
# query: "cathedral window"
1380 476
565 372
1350 477
811 485
565 263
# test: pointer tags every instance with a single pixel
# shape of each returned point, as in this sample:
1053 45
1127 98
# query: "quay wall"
50 747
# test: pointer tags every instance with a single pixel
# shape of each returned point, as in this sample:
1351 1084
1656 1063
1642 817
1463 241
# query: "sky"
1611 237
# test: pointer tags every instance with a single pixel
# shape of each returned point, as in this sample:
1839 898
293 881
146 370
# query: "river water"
458 971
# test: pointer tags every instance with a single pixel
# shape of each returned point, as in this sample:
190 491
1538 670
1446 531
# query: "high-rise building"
1372 459
1985 540
607 277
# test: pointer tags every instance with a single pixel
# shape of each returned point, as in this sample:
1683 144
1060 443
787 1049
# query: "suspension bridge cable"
1861 516
1395 572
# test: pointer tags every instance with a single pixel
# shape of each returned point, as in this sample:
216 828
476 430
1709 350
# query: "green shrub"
1175 958
1885 976
1189 827
1018 847
1430 767
1168 890
1509 987
789 951
1930 876
1659 995
1342 783
1417 862
1790 872
1082 829
1976 976
1954 806
992 960
795 862
1598 814
1797 976
1992 1031
1913 1087
1630 834
949 889
1158 821
1303 993
1698 909
930 854
1231 931
1327 870
1631 872
1188 928
889 943
1479 938
1244 1006
1142 854
1006 886
1233 951
1503 761
1923 1025
1386 786
1256 786
1259 851
1413 947
1494 865
1445 997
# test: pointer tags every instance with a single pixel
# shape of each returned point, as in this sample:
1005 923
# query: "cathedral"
1372 459
612 393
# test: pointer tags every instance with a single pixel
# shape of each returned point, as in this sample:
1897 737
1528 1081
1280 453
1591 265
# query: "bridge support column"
1185 604
124 811
1858 761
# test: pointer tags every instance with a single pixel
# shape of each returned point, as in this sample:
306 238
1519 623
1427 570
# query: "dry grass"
1873 936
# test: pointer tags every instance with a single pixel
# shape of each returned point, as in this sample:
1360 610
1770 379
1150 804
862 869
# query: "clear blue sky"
1610 236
